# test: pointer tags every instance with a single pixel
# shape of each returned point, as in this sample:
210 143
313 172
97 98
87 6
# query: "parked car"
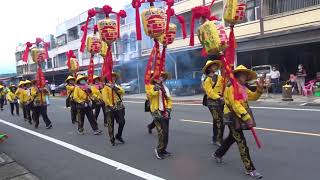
131 86
190 84
262 70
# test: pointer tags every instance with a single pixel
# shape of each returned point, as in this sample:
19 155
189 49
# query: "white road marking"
263 129
253 107
89 154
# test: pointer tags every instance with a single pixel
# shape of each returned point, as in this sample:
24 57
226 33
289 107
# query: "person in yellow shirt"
40 106
69 101
13 99
112 94
213 98
160 107
239 112
2 96
98 103
27 100
20 93
82 95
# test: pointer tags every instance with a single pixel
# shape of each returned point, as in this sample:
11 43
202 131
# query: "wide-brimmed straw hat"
164 74
242 69
27 82
80 77
70 78
211 62
117 75
21 83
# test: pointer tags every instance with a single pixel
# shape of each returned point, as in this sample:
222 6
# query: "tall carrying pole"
261 18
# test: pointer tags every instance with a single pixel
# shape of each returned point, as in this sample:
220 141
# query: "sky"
24 20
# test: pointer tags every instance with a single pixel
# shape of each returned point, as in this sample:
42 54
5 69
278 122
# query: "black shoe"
166 153
36 126
120 139
218 159
30 122
49 126
254 174
113 143
158 154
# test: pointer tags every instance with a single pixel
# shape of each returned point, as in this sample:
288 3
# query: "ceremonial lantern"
213 38
156 24
39 53
109 32
234 11
72 63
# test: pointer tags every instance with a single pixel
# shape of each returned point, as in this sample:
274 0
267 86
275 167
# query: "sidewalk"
11 170
270 98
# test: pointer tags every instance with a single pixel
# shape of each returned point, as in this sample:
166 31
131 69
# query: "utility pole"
261 18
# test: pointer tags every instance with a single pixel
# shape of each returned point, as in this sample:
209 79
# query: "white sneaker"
254 174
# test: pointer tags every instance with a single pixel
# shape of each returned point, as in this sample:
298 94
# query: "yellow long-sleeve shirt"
70 90
96 94
154 98
215 92
11 97
39 96
239 107
23 96
80 96
107 95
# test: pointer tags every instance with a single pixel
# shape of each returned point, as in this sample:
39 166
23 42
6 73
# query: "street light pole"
261 18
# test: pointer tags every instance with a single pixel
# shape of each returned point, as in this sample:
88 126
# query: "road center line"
253 107
263 129
89 154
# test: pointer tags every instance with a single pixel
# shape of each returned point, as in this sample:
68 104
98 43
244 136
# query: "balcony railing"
280 6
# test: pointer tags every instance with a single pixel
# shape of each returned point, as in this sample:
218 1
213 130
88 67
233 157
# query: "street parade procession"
90 96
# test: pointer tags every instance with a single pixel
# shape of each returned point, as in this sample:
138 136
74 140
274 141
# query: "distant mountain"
7 75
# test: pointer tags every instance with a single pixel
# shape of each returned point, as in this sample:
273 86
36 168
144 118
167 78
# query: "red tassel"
91 13
204 53
40 77
192 29
157 62
183 26
137 4
26 52
46 46
255 137
163 60
91 70
147 75
212 2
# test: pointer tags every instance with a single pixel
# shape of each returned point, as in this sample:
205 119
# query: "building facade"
284 33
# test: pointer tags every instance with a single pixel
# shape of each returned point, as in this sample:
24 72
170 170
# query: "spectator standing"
275 80
301 78
53 89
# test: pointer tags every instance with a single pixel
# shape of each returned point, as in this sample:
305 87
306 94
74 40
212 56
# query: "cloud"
23 21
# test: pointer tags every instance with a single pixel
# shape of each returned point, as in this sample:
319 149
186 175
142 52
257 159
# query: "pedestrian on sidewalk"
275 80
213 98
83 97
2 97
301 78
98 102
70 101
53 89
13 99
112 94
40 106
240 116
161 107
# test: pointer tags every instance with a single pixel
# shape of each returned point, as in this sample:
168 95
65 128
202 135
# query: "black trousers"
238 137
118 116
86 111
162 125
28 109
53 92
73 111
1 103
41 110
217 123
97 108
14 105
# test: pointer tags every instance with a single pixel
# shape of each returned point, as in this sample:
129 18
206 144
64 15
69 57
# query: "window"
49 63
280 6
85 54
125 42
62 58
18 56
73 34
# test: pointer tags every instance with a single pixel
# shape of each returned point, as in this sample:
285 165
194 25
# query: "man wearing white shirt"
275 79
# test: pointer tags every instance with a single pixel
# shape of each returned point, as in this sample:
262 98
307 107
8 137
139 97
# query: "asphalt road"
290 146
